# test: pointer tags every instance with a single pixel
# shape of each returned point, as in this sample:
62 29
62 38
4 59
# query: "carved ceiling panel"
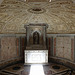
59 15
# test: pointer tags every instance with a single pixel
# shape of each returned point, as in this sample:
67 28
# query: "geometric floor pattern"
21 69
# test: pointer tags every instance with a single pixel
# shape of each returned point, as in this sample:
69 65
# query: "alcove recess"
36 51
36 36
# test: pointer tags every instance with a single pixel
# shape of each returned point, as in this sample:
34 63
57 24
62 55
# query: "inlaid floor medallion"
56 67
16 68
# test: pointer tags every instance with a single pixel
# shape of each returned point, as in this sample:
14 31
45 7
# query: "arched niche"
36 38
36 44
36 35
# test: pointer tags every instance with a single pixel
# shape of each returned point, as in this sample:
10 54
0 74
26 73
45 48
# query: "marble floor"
36 69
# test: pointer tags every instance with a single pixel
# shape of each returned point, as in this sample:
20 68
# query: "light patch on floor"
36 70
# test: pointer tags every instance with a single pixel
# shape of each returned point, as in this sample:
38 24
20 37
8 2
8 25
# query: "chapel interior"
37 37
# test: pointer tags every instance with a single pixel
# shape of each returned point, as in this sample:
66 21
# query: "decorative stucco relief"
59 15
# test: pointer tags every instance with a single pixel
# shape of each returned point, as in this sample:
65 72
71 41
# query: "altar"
36 56
36 51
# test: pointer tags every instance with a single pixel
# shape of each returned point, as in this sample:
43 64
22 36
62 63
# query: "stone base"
36 47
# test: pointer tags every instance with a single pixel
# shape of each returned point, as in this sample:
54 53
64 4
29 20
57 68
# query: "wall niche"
36 36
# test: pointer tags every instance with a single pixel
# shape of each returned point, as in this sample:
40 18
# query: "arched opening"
36 38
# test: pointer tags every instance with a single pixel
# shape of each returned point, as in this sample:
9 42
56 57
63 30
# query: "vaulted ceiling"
58 14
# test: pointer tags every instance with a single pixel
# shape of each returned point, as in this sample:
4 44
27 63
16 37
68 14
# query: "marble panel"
54 46
22 45
63 47
17 46
0 48
59 52
49 47
8 48
72 49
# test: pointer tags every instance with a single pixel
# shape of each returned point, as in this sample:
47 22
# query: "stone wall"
61 46
62 49
11 48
